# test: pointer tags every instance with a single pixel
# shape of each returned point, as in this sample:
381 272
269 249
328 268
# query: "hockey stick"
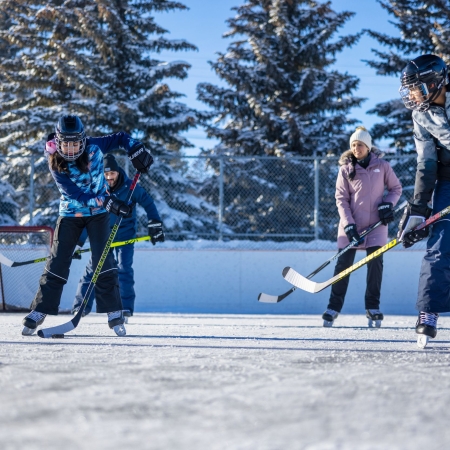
72 324
77 254
266 298
303 283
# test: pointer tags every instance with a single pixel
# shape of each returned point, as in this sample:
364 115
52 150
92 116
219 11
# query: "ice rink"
219 382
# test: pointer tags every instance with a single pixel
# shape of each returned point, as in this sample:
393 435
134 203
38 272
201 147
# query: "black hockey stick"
76 255
303 283
266 298
72 324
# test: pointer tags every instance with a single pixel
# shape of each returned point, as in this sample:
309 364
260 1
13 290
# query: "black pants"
374 277
56 272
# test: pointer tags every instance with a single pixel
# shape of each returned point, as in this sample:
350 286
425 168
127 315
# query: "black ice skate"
116 322
32 321
375 317
426 328
328 317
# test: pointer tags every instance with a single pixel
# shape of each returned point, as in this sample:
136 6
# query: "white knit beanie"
361 134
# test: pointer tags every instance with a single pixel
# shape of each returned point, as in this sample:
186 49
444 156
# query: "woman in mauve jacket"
362 180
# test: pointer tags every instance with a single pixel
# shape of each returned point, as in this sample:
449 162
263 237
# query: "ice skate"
126 314
328 317
31 322
375 317
116 322
426 328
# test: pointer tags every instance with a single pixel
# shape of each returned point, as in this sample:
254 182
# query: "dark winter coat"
128 226
357 200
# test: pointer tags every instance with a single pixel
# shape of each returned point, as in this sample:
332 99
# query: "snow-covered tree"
424 27
281 97
95 59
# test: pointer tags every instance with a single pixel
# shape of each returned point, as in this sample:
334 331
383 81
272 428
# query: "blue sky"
204 24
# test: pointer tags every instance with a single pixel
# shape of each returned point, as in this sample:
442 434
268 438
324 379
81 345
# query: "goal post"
18 285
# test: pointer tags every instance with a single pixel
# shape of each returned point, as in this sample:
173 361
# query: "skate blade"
327 323
374 323
120 330
28 331
422 341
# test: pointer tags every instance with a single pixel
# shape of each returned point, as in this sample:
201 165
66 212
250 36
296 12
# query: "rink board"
229 281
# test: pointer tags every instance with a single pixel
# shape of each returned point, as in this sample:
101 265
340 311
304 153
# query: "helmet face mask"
422 81
70 137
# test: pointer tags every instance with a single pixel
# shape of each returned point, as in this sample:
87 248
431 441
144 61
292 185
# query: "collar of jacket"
346 157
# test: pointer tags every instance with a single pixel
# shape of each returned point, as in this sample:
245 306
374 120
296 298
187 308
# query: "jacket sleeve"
69 189
141 197
392 184
427 163
343 199
114 141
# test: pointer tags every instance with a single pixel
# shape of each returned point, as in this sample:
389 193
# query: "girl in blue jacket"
76 164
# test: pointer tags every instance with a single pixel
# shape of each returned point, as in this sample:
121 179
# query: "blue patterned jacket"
82 194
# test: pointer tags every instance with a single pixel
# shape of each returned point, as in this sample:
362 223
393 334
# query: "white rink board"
229 281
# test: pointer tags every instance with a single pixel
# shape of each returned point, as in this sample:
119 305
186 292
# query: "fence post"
220 197
31 189
316 196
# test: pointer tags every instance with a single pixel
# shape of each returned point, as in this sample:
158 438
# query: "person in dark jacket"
119 185
425 90
76 164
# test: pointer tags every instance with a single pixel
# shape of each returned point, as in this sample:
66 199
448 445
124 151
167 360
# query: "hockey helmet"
422 81
70 137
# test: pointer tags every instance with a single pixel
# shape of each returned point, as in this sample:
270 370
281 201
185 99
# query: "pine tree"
281 98
424 28
95 59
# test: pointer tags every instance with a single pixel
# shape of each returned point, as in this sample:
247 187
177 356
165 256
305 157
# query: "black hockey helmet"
70 137
422 81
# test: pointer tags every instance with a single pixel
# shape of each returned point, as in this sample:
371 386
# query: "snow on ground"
225 382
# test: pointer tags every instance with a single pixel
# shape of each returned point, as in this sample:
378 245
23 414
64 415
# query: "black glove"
117 207
155 231
352 234
386 212
141 158
413 215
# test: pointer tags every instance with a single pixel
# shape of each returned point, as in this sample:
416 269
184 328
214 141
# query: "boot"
32 321
328 317
116 322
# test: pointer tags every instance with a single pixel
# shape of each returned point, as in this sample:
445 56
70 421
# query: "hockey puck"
57 336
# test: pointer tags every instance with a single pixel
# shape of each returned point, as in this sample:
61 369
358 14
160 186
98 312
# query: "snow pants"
56 272
434 278
374 278
124 257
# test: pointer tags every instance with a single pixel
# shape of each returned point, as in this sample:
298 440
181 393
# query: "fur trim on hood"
346 157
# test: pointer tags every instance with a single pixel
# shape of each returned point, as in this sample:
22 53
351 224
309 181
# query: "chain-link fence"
212 202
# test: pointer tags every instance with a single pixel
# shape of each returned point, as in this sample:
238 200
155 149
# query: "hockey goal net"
19 283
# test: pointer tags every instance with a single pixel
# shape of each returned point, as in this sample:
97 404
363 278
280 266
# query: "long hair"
59 164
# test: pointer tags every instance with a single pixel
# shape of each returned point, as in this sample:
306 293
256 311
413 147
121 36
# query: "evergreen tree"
95 59
424 27
281 98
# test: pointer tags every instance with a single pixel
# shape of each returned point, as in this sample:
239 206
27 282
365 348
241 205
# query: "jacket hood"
346 157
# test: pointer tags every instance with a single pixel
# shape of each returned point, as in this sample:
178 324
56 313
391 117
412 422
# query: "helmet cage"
419 90
70 145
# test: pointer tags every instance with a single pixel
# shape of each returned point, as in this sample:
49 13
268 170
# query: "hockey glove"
117 207
155 231
386 212
352 234
413 215
141 158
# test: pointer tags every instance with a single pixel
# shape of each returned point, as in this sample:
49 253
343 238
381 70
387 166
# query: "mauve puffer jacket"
358 200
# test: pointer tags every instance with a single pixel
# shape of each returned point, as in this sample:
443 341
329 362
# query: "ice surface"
221 382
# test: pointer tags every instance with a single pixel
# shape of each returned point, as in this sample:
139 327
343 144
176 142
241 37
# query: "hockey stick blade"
266 298
299 281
